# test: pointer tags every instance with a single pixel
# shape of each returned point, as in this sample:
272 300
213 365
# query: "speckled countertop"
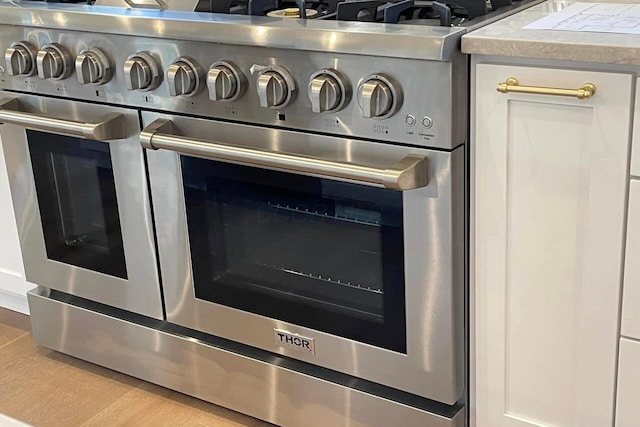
507 38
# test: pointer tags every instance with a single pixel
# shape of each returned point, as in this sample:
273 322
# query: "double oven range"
266 214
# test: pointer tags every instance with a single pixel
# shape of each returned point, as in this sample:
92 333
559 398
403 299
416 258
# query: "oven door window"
314 252
77 201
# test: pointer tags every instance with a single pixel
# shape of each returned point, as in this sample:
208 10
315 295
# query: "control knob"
225 81
184 77
54 62
93 67
379 96
276 87
141 72
328 91
20 59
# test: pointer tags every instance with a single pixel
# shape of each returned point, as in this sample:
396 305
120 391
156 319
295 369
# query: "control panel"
314 91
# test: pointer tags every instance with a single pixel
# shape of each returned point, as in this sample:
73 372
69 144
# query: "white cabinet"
549 175
628 402
13 285
631 299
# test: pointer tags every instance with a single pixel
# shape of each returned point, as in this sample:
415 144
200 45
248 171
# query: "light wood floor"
41 387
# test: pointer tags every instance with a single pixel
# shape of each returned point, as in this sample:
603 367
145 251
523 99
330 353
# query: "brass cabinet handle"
512 85
409 173
110 127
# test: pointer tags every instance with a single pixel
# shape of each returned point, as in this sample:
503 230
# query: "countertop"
507 38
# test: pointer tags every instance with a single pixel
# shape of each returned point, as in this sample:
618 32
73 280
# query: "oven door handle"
111 126
407 174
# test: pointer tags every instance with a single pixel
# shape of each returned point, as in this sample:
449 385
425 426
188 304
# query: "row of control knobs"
378 96
54 62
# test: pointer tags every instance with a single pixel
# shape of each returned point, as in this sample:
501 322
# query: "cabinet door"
631 295
549 180
628 400
13 285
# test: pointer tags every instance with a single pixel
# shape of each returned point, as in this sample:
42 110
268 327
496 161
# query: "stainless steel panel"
432 89
239 382
141 291
434 254
360 38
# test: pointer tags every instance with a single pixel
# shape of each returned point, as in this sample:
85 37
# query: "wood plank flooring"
42 387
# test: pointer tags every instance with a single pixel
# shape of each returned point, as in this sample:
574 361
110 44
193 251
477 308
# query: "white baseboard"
10 422
13 301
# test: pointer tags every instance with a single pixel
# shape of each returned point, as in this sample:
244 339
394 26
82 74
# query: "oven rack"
324 215
325 278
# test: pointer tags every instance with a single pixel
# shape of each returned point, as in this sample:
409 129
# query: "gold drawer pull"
511 85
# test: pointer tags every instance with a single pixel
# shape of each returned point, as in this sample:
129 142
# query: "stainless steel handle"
407 174
111 126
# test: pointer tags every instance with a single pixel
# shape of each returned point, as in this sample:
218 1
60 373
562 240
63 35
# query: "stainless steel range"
268 214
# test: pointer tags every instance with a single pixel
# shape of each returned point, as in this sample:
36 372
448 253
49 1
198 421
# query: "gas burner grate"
413 12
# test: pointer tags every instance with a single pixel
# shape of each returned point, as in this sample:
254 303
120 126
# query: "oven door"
343 253
79 190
